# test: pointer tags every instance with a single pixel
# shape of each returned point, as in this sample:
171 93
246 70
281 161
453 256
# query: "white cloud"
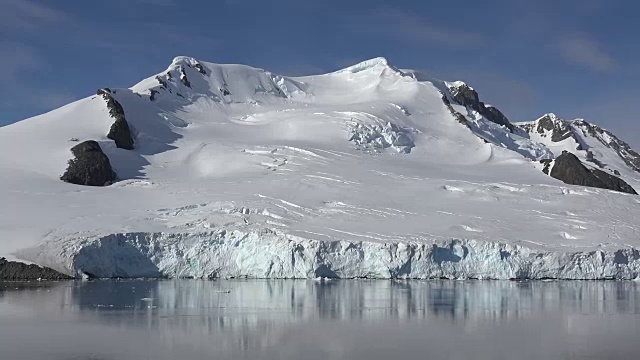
416 30
27 15
16 57
18 62
584 51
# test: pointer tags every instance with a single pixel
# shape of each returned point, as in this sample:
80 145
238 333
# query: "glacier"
211 255
367 172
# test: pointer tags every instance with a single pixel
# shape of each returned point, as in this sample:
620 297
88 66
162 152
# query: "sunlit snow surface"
359 173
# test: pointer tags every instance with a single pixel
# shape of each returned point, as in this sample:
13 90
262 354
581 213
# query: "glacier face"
368 172
268 255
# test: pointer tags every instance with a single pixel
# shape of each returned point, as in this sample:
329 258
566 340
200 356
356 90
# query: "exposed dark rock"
162 82
545 124
224 91
526 127
494 115
121 134
200 68
115 109
466 96
580 130
103 91
613 182
444 99
628 155
17 271
547 165
592 159
153 94
183 78
119 131
459 117
616 172
560 129
561 132
568 168
89 167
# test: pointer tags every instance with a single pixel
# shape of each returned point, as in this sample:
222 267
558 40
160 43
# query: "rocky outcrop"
549 124
459 117
570 170
547 165
494 115
466 96
200 68
90 166
152 94
161 81
120 132
17 271
560 130
556 129
183 78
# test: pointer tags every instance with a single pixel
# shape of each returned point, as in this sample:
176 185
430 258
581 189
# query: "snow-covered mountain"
209 170
589 142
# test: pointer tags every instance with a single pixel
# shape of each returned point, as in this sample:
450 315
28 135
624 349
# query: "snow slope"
369 171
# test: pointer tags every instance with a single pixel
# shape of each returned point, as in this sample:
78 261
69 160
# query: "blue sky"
574 58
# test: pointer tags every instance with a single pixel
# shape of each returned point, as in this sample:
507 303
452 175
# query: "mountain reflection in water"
289 319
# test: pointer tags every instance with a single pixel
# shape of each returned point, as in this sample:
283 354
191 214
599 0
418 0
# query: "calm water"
190 319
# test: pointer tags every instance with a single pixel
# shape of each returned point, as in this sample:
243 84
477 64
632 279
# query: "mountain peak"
377 62
550 116
589 142
459 85
182 59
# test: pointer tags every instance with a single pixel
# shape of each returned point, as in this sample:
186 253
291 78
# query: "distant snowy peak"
379 64
487 122
587 141
188 79
551 127
608 139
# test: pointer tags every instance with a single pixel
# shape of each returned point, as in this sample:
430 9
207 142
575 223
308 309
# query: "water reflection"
337 319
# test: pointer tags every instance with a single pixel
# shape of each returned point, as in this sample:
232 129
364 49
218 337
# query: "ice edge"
258 255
